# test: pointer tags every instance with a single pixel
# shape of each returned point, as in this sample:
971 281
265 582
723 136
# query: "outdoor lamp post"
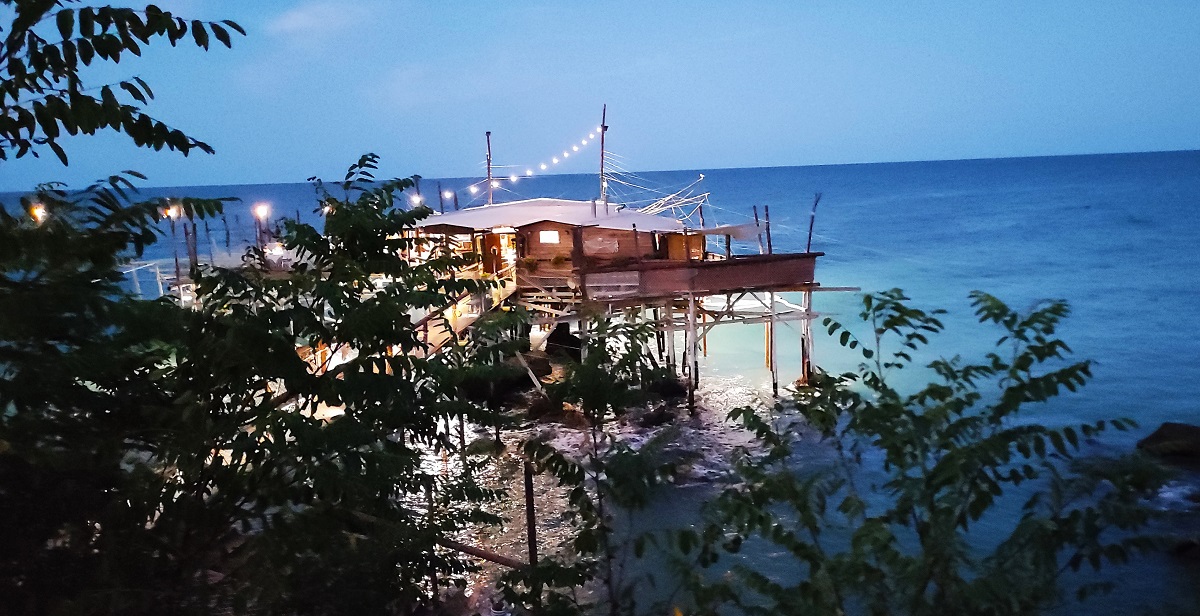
262 211
172 213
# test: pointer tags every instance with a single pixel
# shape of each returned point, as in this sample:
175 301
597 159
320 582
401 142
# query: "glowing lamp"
554 160
495 184
591 135
566 154
38 212
262 211
447 194
474 190
584 142
529 172
575 148
512 178
415 199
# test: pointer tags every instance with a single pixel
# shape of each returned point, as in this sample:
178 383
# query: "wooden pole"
756 227
212 244
658 335
703 238
488 135
806 340
175 246
771 345
728 248
812 220
530 518
456 201
441 201
693 351
189 241
637 245
669 308
767 217
603 129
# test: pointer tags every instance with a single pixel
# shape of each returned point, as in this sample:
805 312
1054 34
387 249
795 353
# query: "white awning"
564 211
742 232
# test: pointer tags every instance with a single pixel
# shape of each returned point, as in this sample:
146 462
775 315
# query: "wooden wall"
534 248
604 245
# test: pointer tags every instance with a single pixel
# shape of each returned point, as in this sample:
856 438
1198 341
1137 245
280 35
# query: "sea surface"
1115 235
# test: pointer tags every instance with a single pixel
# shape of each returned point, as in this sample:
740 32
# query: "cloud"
316 18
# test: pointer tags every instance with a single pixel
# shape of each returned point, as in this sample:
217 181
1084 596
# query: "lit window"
548 237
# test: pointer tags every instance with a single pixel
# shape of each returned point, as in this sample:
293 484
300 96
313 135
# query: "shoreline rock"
1173 440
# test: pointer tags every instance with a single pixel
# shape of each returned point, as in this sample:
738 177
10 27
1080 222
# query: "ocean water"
1115 235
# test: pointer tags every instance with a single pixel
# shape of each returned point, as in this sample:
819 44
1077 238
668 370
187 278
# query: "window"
548 237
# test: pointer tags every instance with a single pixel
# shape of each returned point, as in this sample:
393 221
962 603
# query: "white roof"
529 211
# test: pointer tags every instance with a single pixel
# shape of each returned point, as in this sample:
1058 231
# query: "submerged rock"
541 406
1173 439
485 446
656 418
562 342
668 388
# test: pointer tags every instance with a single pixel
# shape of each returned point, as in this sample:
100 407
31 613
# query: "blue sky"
688 85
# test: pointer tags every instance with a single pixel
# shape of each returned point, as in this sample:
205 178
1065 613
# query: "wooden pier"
565 259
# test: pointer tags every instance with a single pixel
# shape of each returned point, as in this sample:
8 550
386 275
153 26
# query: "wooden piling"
693 352
771 344
756 227
767 217
530 517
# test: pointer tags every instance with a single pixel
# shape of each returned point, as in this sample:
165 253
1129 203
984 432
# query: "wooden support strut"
693 351
530 518
771 345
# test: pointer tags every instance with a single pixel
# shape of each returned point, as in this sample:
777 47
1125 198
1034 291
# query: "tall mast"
603 180
489 165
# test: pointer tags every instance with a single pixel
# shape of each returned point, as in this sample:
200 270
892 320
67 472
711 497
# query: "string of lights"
544 166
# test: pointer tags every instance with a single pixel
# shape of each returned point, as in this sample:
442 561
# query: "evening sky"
688 85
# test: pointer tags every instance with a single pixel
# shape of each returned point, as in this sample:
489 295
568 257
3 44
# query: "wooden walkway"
439 328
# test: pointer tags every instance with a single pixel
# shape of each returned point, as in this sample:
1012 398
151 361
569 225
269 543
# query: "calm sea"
1115 235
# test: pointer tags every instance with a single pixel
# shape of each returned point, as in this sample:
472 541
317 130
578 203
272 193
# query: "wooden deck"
662 279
